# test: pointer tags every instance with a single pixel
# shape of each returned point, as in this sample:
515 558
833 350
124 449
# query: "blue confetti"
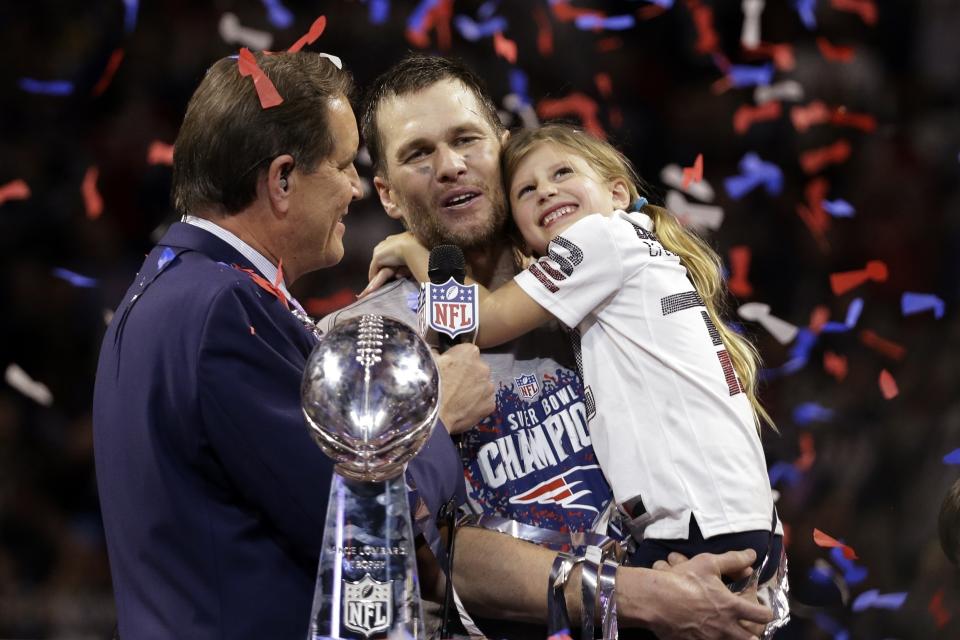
912 302
418 17
783 471
820 574
47 87
838 208
874 599
852 573
850 322
754 172
805 8
803 343
953 457
487 9
130 8
165 257
75 279
518 85
589 22
474 31
666 4
278 15
807 412
379 11
744 75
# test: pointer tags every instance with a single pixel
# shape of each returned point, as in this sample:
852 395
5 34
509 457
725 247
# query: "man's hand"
466 388
688 600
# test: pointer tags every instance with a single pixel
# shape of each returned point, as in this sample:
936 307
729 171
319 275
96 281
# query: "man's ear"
620 192
280 182
385 192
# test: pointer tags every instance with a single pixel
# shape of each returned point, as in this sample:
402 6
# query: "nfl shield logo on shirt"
527 386
452 307
367 605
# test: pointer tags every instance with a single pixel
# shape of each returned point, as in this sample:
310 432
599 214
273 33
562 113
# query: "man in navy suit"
212 492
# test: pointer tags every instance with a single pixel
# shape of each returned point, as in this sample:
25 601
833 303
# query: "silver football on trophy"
369 394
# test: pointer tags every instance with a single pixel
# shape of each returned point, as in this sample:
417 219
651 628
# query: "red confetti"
544 32
265 284
886 347
576 103
315 31
266 92
835 365
823 540
694 173
505 48
863 121
746 115
888 386
160 153
108 72
606 45
819 317
814 160
437 18
813 214
836 53
739 266
91 197
14 190
844 281
804 117
650 11
866 9
808 453
940 615
604 84
707 39
782 54
319 307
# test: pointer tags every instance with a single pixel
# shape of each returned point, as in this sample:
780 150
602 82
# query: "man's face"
321 198
442 166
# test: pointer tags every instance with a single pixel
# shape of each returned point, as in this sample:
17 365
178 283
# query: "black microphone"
447 261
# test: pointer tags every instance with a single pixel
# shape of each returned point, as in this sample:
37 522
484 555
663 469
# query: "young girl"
670 389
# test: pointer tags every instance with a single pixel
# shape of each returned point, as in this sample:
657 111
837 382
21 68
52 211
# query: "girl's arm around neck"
507 313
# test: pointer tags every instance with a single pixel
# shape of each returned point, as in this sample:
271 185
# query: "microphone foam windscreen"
446 261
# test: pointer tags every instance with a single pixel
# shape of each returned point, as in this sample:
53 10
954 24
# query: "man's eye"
467 139
415 155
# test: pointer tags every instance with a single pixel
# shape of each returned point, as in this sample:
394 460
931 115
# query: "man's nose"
355 183
449 164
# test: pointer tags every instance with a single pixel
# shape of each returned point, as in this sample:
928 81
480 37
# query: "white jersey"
672 425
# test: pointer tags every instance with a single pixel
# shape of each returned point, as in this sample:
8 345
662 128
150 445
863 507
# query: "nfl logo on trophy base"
367 605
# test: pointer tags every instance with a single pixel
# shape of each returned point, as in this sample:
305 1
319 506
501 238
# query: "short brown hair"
414 73
227 138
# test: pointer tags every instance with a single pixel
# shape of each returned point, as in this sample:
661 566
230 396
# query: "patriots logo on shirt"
527 386
557 490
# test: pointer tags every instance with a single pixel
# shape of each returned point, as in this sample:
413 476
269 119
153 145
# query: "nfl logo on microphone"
452 307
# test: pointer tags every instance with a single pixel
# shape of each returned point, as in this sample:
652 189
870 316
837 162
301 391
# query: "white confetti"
22 382
694 215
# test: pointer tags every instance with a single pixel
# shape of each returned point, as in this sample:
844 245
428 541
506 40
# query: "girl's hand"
391 252
385 275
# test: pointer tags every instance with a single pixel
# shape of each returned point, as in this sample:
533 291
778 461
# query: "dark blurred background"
90 88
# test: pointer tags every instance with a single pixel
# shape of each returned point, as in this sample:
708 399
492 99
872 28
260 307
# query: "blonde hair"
702 263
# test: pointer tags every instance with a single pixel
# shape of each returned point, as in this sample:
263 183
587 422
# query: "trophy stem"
367 585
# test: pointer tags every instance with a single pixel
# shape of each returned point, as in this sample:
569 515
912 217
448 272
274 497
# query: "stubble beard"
427 226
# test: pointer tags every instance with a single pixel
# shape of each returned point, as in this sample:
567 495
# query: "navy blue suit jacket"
212 491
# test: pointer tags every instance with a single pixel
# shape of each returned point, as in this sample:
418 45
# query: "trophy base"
367 584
